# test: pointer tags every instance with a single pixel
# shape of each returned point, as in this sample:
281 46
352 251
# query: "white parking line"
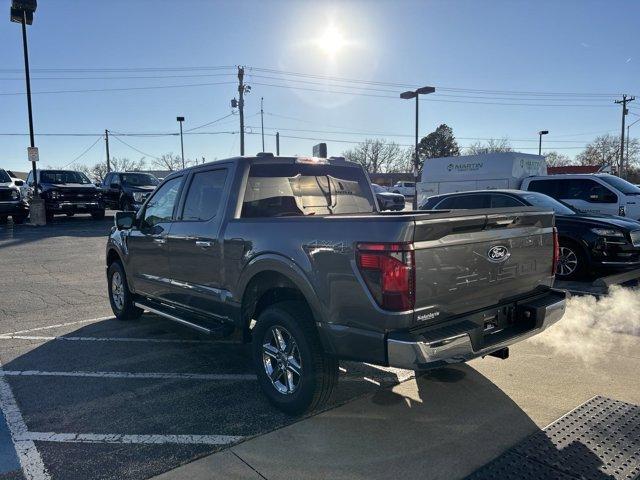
121 438
30 460
129 375
45 338
37 329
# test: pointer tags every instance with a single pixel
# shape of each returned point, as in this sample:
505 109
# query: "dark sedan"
587 242
388 200
127 190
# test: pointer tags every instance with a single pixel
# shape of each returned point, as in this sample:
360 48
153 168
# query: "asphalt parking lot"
107 399
86 396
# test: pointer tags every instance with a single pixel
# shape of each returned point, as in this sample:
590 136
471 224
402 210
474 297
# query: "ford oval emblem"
498 254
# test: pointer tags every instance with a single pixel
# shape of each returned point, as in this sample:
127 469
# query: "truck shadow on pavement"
119 384
62 226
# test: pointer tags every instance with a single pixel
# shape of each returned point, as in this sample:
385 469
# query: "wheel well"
263 290
112 256
575 243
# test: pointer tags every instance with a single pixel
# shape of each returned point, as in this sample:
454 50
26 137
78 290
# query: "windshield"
542 200
4 178
59 177
139 179
378 188
299 189
621 185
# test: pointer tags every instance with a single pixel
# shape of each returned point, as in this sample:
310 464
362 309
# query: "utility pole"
278 143
625 111
106 144
241 106
262 120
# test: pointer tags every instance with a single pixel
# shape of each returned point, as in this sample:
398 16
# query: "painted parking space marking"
9 461
59 325
130 375
134 439
30 460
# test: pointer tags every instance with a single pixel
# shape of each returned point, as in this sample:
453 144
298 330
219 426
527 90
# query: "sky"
500 69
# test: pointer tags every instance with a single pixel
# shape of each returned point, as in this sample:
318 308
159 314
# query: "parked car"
599 193
293 253
12 204
408 189
588 242
127 190
67 192
387 200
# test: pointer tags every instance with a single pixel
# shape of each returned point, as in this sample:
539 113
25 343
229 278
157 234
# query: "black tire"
573 262
18 219
318 372
122 307
49 216
97 215
3 220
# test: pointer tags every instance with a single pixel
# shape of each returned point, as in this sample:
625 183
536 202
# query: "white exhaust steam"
590 326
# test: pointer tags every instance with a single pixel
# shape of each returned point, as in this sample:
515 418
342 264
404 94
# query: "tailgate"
467 261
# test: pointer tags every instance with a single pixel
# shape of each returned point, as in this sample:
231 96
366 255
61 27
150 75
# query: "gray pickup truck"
293 253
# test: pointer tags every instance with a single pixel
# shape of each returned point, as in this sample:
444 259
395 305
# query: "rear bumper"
467 338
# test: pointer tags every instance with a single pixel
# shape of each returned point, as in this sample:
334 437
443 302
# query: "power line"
120 89
209 123
84 152
121 69
136 149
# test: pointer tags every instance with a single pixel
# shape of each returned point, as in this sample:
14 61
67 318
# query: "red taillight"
556 251
389 272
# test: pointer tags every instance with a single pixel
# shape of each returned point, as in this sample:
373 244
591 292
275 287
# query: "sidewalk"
443 425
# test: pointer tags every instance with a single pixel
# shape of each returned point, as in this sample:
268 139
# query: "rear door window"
548 187
204 196
504 201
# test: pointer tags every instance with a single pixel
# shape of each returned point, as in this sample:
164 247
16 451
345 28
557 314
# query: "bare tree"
378 156
556 159
605 150
169 161
493 145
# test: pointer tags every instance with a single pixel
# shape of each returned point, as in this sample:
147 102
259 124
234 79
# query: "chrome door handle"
203 244
159 241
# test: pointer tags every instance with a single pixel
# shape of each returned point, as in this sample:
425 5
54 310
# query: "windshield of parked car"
542 200
279 190
60 177
620 184
139 180
4 177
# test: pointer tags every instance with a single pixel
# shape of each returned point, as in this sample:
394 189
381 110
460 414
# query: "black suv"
11 201
587 241
68 192
127 190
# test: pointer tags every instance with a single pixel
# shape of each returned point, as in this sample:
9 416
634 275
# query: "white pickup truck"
408 189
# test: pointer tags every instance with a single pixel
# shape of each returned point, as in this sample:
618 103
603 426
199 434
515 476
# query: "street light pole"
628 127
407 96
540 133
180 120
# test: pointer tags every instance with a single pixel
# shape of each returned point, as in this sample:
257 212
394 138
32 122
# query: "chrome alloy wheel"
117 290
568 262
281 360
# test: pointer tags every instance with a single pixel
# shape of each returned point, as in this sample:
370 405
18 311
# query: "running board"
173 318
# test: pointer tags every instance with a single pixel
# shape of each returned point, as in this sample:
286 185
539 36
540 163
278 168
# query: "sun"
331 41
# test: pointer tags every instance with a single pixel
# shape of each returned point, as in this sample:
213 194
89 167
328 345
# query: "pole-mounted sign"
33 154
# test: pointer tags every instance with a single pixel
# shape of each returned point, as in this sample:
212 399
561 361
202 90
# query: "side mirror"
18 183
114 185
125 220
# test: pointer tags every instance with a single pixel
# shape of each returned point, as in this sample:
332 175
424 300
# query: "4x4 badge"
498 254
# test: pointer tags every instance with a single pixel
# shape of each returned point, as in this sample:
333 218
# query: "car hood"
146 188
389 195
601 221
81 187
